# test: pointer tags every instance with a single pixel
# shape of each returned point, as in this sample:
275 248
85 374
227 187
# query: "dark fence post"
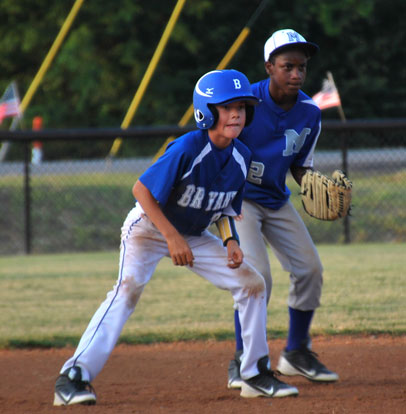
344 150
348 134
27 197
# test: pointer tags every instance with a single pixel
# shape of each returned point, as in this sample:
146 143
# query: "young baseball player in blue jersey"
199 180
282 137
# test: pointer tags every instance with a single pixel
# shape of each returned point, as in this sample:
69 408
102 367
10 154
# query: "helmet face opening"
249 112
220 87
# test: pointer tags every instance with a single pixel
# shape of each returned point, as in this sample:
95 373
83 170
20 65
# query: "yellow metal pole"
43 69
234 48
148 74
223 64
51 54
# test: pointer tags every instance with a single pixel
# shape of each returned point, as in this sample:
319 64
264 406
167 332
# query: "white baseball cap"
286 38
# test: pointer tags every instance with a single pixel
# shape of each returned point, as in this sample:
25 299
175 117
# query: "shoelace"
84 386
312 356
273 374
310 352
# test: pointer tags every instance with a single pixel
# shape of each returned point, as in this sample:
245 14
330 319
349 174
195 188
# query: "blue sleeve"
162 176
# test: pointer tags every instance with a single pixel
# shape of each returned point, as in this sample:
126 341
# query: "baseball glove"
326 198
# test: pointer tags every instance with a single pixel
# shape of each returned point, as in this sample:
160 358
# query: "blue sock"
237 327
299 327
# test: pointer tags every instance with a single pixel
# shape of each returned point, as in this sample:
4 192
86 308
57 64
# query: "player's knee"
317 268
264 270
131 290
253 283
312 271
258 286
315 278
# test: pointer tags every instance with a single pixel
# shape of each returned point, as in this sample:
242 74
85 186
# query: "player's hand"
234 254
179 250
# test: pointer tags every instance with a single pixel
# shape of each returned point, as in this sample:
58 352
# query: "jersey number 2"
256 172
294 143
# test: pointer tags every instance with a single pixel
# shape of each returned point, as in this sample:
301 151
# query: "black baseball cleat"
70 389
265 384
304 362
234 379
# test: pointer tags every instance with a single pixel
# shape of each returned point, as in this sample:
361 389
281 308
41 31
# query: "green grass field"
75 205
47 300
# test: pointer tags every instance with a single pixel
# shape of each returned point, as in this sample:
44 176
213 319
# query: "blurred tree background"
96 73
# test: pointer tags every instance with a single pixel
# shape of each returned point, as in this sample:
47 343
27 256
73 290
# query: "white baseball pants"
142 247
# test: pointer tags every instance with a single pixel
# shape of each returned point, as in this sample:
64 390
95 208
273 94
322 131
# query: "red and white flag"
10 102
328 97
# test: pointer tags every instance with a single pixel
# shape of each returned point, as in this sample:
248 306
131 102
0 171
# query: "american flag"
328 97
10 102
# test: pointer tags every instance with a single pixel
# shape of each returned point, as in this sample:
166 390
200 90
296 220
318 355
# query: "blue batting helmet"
220 87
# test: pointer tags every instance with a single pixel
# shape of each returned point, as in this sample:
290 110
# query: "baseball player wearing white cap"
282 137
199 180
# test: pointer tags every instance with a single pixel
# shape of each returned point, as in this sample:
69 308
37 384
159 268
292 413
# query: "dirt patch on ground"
191 377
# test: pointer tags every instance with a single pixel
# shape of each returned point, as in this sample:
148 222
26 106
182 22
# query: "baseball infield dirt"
191 377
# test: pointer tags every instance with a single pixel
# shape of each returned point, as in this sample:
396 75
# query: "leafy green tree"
95 75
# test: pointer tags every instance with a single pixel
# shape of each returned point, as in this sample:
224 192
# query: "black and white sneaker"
304 362
234 379
265 384
70 389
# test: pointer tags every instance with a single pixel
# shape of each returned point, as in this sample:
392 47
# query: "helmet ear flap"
249 114
215 113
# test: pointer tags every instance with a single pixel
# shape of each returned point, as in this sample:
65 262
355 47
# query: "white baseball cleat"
70 389
304 362
265 384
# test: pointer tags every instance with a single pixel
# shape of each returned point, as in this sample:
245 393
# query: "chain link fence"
76 205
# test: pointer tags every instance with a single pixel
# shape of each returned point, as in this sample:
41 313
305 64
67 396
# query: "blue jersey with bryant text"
277 140
195 182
